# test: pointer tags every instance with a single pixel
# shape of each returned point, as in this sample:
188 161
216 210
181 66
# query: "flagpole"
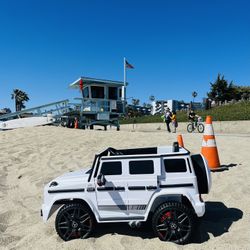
124 83
125 77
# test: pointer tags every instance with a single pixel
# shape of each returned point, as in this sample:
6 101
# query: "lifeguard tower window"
85 92
97 92
113 93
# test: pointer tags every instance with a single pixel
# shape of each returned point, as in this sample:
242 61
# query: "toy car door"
142 183
111 190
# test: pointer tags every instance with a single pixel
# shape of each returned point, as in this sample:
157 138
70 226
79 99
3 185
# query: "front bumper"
45 212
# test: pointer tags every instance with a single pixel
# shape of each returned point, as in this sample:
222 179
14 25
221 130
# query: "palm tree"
20 97
135 102
194 94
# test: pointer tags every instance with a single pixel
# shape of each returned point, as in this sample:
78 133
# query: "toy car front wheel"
173 222
74 221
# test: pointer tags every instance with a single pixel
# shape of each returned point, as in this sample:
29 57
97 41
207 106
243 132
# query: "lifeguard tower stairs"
57 109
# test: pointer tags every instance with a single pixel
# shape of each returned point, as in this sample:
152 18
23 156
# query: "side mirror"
101 180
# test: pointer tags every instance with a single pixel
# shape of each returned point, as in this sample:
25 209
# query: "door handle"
119 188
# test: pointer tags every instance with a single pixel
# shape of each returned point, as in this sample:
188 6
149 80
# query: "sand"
33 156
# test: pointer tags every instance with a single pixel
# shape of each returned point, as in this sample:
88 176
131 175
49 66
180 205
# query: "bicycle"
199 126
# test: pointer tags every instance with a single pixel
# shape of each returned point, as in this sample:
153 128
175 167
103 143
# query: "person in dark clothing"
192 117
168 119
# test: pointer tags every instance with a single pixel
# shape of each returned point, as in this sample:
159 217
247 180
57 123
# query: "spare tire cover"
201 173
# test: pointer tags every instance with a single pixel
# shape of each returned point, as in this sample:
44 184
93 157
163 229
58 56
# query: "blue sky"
175 46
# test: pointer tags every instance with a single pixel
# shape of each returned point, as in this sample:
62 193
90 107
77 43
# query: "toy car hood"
69 180
74 175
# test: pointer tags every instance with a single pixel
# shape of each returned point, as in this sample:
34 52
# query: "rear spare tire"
201 173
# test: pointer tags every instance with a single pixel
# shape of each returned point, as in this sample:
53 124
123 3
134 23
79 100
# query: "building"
159 106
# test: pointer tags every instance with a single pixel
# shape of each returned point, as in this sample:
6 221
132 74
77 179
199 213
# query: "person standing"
168 119
174 121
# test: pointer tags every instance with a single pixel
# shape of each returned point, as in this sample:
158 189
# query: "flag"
128 65
81 84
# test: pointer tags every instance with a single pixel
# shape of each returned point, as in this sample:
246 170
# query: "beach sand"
31 157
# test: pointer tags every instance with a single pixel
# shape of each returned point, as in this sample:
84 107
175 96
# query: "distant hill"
229 112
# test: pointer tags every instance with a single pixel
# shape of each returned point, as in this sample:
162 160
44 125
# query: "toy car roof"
150 151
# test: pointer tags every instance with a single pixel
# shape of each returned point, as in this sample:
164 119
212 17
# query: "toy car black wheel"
173 222
190 128
74 221
201 128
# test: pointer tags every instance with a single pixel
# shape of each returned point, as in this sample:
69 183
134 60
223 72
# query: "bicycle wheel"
200 128
190 128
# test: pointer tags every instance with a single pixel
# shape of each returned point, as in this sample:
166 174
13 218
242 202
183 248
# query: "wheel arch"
60 202
170 197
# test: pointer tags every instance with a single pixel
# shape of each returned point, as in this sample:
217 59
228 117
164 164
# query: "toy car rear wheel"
173 222
190 128
74 221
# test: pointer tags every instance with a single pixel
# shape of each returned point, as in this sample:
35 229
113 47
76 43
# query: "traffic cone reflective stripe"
208 129
208 137
208 143
209 148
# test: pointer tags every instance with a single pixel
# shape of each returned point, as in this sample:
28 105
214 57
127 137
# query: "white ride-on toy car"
162 185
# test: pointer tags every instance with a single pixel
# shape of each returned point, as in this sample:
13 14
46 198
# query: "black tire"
74 221
201 128
173 222
190 128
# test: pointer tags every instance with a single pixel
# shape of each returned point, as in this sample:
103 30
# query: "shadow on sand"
224 167
216 221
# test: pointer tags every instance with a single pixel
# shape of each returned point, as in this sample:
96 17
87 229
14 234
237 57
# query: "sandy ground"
33 156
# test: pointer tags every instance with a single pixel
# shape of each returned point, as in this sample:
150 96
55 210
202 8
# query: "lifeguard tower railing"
95 106
57 109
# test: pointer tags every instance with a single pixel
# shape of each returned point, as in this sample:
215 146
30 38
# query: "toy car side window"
175 165
111 168
141 167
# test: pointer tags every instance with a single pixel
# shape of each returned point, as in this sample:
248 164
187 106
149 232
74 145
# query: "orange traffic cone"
76 123
209 148
180 141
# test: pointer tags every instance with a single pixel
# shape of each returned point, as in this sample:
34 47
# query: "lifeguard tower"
101 102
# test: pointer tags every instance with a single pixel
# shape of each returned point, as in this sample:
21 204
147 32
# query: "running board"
122 219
